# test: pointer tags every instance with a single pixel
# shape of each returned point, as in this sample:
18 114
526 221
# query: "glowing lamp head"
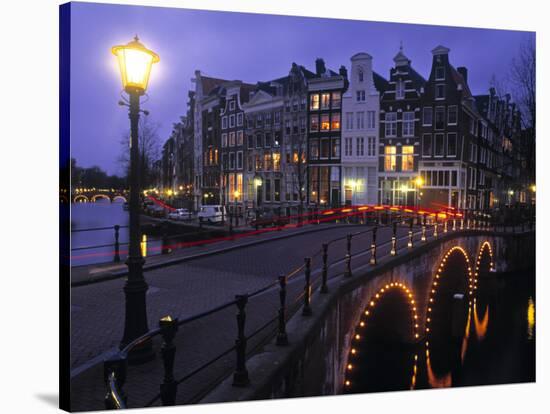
258 181
135 62
419 181
236 193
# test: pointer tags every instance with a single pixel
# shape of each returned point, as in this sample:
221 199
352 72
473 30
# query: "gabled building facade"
360 132
324 135
400 132
450 123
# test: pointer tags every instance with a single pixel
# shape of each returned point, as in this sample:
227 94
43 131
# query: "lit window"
335 122
314 102
325 101
407 158
390 157
325 122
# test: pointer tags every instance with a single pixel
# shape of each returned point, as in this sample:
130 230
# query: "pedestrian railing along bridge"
290 293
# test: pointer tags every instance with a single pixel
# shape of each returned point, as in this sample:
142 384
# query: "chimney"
320 66
343 72
464 72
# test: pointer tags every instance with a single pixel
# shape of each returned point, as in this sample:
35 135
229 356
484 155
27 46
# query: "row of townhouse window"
232 160
295 126
326 100
211 156
264 161
360 120
263 120
324 122
234 182
232 139
264 140
440 178
295 104
360 146
435 144
407 124
325 148
436 117
228 121
407 158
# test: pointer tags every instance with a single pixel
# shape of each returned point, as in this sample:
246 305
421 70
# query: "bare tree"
298 170
523 80
149 150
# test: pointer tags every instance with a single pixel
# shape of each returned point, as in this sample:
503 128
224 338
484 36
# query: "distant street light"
135 61
419 182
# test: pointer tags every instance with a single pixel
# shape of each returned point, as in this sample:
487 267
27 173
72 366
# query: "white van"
212 213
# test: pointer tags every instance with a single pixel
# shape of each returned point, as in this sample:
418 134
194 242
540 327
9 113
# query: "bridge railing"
286 294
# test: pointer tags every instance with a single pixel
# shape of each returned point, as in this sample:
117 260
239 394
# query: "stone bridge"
92 195
419 293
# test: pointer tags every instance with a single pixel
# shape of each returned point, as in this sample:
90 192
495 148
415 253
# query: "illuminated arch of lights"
81 199
435 282
358 333
119 197
98 196
485 246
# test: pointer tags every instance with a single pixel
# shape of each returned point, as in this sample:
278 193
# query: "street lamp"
236 195
135 62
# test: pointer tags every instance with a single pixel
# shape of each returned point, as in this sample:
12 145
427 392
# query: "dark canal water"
95 215
498 346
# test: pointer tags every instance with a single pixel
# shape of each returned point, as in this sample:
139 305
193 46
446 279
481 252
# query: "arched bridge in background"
92 195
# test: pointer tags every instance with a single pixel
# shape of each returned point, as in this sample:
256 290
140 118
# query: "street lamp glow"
534 188
419 181
134 62
404 188
258 181
236 193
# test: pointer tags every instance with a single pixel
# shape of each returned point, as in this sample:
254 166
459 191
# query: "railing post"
454 224
462 221
423 236
282 338
169 386
240 376
445 229
468 218
117 245
373 246
393 251
114 370
410 242
347 272
307 288
436 224
324 286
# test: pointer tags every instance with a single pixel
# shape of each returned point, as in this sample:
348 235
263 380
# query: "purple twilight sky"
249 47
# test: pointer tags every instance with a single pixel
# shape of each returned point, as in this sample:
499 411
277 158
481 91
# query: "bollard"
117 245
324 287
114 370
282 338
423 237
462 222
169 386
393 251
373 247
445 226
347 272
240 376
436 224
410 242
454 224
307 288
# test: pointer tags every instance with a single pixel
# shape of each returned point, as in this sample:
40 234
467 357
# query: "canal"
97 246
497 347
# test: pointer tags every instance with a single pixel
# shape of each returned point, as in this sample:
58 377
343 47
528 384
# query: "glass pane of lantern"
137 65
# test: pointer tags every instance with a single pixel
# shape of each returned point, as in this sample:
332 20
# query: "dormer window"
360 75
400 89
440 73
231 105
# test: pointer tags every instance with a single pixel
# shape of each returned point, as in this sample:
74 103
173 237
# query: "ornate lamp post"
135 61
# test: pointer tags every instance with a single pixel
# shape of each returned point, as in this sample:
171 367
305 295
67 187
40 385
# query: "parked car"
179 214
212 213
266 218
156 211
